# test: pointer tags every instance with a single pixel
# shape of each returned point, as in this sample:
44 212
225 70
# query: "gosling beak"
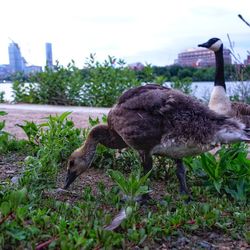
204 45
247 131
246 137
71 176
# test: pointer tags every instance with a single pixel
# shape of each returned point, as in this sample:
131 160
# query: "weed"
131 187
226 171
8 142
52 142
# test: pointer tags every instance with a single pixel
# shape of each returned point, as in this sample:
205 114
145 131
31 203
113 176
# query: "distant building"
49 60
201 57
33 69
5 71
17 62
136 66
247 61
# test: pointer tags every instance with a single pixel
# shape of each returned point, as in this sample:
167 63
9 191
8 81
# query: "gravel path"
18 113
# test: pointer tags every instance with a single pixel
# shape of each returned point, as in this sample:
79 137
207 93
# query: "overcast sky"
149 31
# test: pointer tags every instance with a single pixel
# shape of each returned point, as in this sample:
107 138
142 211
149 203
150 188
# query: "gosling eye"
71 163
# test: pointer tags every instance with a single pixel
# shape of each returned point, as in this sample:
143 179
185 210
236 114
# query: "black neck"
219 72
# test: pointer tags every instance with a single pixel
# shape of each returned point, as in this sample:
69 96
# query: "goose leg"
181 175
147 164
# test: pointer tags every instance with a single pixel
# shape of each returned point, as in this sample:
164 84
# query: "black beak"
204 45
69 179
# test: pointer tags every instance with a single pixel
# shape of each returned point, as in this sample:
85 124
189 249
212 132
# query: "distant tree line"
100 84
232 72
166 73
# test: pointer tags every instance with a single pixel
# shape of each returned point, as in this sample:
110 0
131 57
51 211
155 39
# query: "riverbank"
18 113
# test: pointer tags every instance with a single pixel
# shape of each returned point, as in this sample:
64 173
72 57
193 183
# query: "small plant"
2 93
2 124
4 136
52 141
133 186
227 171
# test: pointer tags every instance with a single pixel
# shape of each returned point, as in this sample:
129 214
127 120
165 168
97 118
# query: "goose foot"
187 198
145 199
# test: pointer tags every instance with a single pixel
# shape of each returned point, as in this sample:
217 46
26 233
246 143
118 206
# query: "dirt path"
18 113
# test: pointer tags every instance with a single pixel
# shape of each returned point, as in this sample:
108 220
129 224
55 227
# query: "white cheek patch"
216 46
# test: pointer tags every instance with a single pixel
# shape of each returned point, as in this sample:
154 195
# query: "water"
202 90
7 89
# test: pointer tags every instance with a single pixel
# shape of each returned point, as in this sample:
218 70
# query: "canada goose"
219 101
156 120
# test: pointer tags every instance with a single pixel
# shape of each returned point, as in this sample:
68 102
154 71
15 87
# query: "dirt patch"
204 240
93 176
19 116
11 165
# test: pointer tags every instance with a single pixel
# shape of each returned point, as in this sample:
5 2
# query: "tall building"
49 61
247 61
17 62
5 71
201 57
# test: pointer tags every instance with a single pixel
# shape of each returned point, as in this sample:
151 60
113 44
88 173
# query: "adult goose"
156 120
219 101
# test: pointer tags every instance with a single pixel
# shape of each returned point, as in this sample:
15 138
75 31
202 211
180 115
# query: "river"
201 90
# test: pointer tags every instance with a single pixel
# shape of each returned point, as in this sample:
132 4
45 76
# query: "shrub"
107 81
99 84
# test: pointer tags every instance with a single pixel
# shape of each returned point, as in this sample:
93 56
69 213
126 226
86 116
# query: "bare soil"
10 167
16 116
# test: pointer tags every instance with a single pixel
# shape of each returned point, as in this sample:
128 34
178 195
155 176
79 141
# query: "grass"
32 220
34 216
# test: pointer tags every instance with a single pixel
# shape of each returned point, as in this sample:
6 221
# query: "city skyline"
198 57
146 31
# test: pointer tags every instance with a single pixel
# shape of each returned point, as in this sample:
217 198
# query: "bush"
106 82
99 84
185 85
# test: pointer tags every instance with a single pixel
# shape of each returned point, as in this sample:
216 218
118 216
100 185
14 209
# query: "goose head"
76 165
213 44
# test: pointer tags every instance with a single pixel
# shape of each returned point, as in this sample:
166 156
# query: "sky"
148 31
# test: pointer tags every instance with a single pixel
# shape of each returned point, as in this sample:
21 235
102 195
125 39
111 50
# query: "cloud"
137 30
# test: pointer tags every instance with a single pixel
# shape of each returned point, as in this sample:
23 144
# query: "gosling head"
232 132
76 165
213 44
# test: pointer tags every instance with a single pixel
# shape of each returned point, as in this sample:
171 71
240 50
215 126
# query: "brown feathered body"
165 121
